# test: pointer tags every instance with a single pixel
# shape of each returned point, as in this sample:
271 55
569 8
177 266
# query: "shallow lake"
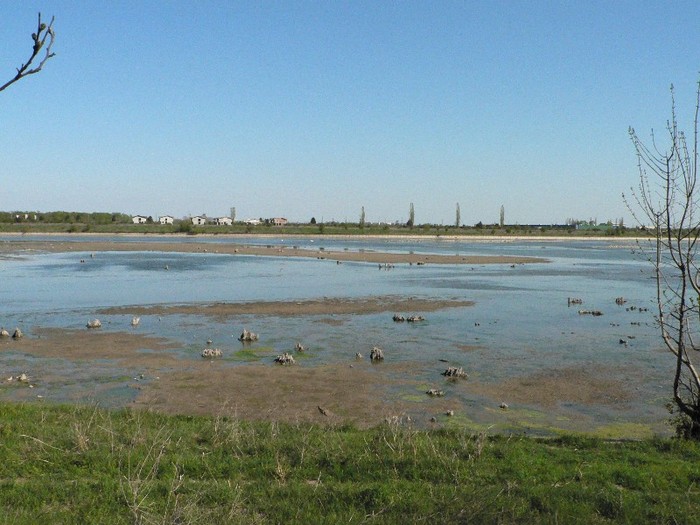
519 326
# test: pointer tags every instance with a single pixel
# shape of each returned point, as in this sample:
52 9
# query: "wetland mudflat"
506 322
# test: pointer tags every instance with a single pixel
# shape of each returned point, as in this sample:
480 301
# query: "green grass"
86 465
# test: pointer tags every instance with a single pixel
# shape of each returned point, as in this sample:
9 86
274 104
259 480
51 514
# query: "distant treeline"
101 222
64 217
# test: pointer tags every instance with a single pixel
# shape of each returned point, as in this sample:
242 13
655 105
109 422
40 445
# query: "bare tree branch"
43 39
667 196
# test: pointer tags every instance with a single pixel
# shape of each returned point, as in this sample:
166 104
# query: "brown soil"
326 306
91 344
355 391
550 388
356 394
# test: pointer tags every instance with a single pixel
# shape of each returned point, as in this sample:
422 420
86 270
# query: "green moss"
624 431
415 398
252 354
463 422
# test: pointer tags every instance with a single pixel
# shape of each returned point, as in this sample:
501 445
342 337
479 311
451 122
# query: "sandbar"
16 247
322 306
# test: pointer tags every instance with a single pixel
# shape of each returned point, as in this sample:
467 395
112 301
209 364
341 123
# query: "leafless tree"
43 39
666 200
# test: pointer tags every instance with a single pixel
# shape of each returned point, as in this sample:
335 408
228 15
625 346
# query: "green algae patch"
624 430
419 394
415 398
253 354
518 414
302 356
463 422
515 419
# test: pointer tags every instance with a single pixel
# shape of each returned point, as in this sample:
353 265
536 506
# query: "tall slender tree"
411 216
458 218
362 218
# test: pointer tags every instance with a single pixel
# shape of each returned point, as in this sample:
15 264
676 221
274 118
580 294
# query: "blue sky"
310 108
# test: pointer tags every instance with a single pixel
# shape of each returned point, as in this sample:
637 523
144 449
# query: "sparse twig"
43 39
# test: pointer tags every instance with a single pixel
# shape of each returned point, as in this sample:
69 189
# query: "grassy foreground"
86 465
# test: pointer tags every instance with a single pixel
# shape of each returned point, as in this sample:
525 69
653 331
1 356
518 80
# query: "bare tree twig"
43 39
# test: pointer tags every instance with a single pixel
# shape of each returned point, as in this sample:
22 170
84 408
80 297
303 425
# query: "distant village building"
252 222
139 219
198 221
279 221
166 219
224 221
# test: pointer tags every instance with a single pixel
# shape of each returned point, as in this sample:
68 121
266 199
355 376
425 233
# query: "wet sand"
85 245
352 392
328 395
90 344
162 378
588 386
326 306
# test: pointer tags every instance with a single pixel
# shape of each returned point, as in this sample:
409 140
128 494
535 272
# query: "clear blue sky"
317 108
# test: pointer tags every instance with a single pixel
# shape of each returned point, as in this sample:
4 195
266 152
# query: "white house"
198 221
224 221
252 222
166 219
139 219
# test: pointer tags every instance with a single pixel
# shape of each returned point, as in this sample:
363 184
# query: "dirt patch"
269 392
354 391
551 388
15 247
94 360
90 344
326 306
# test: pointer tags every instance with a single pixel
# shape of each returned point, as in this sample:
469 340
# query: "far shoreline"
281 234
64 242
